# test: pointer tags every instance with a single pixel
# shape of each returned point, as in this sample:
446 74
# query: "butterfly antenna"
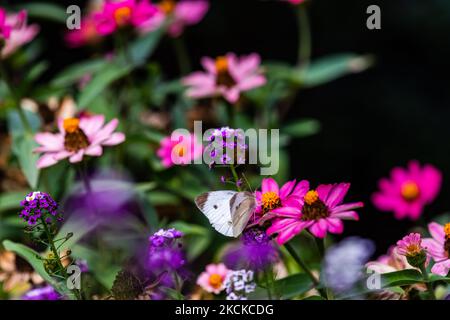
246 181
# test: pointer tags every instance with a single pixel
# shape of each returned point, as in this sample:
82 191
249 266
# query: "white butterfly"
227 211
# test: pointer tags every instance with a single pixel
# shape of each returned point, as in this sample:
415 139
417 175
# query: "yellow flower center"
313 208
447 240
221 64
224 77
122 15
71 124
180 150
215 280
74 139
311 197
413 249
410 191
167 6
270 200
447 230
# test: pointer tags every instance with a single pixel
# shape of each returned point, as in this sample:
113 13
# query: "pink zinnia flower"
272 197
15 31
438 247
181 152
227 76
320 211
392 261
118 14
87 34
408 190
410 245
182 13
213 278
76 138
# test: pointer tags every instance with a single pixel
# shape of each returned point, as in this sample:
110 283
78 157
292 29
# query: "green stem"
178 286
427 283
235 176
304 49
268 277
16 99
305 268
182 56
321 247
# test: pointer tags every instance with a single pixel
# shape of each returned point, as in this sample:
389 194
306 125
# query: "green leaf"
143 47
401 278
149 212
11 200
332 67
302 128
32 257
43 10
75 72
197 238
287 288
100 81
36 71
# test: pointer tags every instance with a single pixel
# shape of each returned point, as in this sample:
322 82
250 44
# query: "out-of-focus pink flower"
179 152
320 211
76 138
182 13
392 261
15 31
213 278
438 247
87 34
226 76
408 190
117 14
273 197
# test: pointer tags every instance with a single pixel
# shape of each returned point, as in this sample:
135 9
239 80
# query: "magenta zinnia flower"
408 190
76 138
118 14
226 76
15 31
87 34
212 279
438 247
410 245
320 211
273 197
181 152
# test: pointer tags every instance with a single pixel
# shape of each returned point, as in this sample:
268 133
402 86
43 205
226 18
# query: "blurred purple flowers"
37 205
344 262
44 293
256 251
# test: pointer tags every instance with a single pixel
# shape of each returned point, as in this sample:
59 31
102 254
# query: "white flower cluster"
238 284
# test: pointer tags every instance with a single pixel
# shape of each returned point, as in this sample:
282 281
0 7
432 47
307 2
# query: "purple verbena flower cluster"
37 205
165 251
44 293
238 284
226 146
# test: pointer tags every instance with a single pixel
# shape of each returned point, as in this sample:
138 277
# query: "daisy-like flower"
226 76
411 247
408 190
181 14
320 211
273 197
212 279
77 137
181 152
438 247
118 14
15 31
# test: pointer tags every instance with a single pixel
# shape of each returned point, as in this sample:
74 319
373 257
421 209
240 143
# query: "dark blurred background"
396 111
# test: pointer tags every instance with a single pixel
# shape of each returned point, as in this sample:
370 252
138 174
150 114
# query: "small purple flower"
37 205
44 293
165 253
226 146
256 251
238 284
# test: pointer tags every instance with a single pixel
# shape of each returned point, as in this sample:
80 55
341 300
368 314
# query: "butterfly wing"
242 206
215 205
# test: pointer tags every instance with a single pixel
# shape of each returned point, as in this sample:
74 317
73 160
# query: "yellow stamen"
413 249
122 15
270 200
71 124
311 197
410 190
221 64
447 230
215 280
180 150
167 6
